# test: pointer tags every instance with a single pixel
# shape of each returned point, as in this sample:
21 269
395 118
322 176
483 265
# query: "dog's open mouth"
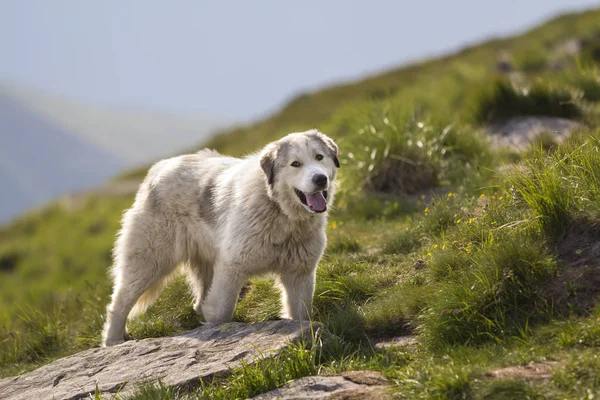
316 201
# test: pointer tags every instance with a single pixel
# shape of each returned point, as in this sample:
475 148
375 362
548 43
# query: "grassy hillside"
488 257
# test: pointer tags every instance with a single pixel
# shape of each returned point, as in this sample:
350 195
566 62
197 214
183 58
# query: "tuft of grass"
398 151
541 186
495 294
560 185
503 99
395 311
587 81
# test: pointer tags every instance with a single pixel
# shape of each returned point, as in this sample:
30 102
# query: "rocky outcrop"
349 385
518 133
177 361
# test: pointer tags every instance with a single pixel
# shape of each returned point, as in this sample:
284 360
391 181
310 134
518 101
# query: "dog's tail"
149 296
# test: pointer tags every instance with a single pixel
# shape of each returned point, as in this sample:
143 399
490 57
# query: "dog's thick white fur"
224 220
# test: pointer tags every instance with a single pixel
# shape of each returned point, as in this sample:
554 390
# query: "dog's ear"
334 151
267 163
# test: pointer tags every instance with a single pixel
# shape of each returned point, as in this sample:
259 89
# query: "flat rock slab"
350 385
177 361
529 372
398 341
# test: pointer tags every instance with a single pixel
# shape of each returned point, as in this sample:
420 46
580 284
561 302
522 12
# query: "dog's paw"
108 342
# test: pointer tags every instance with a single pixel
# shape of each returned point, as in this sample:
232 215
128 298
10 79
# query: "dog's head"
300 171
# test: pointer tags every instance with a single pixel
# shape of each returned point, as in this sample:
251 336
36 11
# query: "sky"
236 59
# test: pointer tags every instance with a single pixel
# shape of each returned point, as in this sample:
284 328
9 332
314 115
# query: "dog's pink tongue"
316 201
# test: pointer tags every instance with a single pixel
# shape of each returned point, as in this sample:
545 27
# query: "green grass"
486 257
393 150
505 99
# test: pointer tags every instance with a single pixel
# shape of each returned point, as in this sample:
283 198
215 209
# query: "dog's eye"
296 164
319 157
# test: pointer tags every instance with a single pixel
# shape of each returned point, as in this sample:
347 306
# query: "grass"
505 99
486 257
393 150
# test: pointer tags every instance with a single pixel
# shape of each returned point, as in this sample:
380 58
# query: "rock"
504 63
398 341
518 133
419 264
530 372
349 385
177 361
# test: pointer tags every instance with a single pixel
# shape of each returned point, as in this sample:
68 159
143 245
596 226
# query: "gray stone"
349 385
398 341
177 361
518 133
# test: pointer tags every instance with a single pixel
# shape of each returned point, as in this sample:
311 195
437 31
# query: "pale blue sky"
239 59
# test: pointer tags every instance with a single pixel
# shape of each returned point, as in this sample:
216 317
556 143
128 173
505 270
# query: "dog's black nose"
320 180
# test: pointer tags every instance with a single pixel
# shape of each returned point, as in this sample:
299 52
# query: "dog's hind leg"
200 275
140 273
132 295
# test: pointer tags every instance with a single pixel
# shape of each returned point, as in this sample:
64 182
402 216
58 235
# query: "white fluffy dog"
226 219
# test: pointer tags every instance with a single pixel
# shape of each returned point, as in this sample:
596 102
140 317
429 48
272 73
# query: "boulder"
518 133
179 361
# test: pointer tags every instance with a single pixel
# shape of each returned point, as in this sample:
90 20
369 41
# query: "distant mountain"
40 160
51 146
136 136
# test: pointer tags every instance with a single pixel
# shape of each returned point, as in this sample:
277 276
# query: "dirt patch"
576 288
529 372
402 177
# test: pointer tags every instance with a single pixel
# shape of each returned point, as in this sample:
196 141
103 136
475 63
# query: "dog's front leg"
297 294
